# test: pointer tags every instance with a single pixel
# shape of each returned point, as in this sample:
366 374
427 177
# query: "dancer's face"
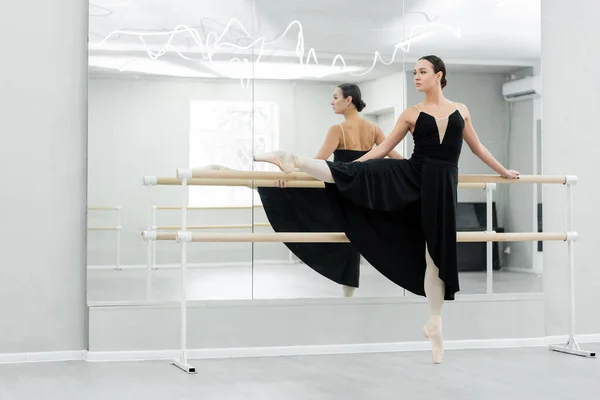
424 76
339 103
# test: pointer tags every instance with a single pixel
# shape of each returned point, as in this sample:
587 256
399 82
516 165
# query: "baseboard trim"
522 270
50 356
331 349
586 338
157 355
329 301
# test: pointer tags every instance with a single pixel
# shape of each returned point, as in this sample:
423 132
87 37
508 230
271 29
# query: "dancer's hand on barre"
511 174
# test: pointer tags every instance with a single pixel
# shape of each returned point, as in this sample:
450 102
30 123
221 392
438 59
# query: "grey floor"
272 282
520 373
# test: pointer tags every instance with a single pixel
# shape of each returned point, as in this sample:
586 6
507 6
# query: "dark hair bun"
350 89
438 66
361 105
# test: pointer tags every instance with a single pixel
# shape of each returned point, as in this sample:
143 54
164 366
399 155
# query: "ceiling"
302 39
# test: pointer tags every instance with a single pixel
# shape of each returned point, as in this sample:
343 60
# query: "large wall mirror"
187 84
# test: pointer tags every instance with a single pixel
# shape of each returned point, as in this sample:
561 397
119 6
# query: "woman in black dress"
400 214
309 210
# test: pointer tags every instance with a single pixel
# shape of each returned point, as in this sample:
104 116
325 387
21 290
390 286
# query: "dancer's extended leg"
434 291
288 162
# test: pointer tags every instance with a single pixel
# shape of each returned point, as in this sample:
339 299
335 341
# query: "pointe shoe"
433 332
287 162
348 291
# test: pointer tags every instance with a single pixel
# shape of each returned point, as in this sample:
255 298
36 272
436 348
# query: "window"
225 133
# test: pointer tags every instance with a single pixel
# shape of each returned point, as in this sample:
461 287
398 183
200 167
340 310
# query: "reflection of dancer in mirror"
355 136
400 214
309 210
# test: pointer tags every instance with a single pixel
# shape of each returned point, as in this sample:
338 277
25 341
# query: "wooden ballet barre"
236 174
199 173
514 236
559 179
288 237
104 208
104 228
174 227
209 208
250 183
334 237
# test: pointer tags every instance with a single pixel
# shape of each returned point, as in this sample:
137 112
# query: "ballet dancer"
309 210
400 214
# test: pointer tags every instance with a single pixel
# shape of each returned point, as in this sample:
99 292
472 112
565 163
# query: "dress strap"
373 136
343 135
417 107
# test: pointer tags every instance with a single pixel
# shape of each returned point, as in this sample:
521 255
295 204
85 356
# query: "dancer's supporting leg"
288 162
434 291
348 290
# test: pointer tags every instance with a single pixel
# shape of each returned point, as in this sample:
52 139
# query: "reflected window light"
146 66
274 70
221 132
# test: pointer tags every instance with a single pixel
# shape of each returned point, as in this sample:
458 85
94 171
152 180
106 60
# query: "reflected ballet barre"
116 228
304 237
153 226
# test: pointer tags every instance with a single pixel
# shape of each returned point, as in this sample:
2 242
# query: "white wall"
128 119
386 121
385 96
571 142
43 97
310 114
519 210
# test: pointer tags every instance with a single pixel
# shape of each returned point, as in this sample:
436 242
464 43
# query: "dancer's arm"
480 150
332 140
398 133
379 138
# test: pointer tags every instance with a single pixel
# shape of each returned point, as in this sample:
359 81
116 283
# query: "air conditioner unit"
522 89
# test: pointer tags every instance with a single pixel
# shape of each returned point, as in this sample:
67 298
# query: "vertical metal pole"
489 245
183 274
154 243
182 363
571 347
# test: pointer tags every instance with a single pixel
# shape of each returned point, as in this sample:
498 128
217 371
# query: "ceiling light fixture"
214 42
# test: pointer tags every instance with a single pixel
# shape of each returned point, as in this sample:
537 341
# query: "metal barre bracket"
184 237
570 179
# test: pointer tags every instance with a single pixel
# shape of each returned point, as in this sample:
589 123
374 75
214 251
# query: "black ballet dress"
392 210
309 210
